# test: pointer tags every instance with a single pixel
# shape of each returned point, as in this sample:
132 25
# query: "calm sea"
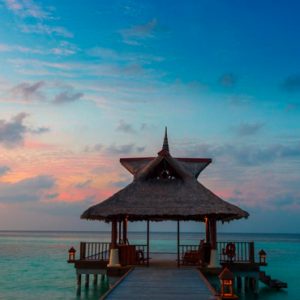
33 264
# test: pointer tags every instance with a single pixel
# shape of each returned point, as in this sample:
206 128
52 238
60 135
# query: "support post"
239 283
125 231
178 244
114 234
148 241
87 280
256 286
114 251
207 231
251 252
78 284
95 279
214 259
120 236
78 280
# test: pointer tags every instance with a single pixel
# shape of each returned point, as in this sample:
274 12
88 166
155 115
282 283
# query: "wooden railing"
100 251
244 252
94 251
183 250
142 254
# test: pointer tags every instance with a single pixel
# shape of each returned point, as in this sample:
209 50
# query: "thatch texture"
164 188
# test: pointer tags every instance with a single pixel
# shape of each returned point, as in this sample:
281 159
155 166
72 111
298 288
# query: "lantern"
262 257
227 280
72 253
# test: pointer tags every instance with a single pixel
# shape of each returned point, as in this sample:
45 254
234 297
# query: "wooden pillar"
213 233
207 231
87 280
95 279
256 286
239 282
246 283
79 280
114 234
178 244
251 252
148 241
78 284
120 236
125 230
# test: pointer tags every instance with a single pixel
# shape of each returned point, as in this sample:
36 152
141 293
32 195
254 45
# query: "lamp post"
227 281
262 257
72 253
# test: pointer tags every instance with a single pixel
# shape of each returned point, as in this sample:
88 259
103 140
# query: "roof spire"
165 146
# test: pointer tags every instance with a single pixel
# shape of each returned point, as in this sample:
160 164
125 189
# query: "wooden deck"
162 283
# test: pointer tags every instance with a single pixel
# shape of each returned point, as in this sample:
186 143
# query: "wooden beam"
120 236
178 244
125 221
148 241
114 234
213 233
207 231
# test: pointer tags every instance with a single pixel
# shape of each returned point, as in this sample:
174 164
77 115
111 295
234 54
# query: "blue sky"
87 82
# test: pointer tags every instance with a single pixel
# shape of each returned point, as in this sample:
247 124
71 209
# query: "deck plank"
165 283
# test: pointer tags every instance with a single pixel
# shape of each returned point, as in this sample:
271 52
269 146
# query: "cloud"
252 156
30 189
135 34
40 28
125 127
228 80
284 201
291 83
39 130
121 149
19 48
240 100
26 8
84 184
140 149
4 170
64 49
67 96
12 132
94 148
248 155
292 106
246 129
115 149
112 55
120 183
28 91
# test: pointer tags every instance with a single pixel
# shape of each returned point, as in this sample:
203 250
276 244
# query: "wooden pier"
162 283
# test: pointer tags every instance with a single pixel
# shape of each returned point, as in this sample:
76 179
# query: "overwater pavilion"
164 188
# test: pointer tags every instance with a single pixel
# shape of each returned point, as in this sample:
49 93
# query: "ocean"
33 265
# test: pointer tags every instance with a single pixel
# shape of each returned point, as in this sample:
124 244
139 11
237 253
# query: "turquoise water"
33 264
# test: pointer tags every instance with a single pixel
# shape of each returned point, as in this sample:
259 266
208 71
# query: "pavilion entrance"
147 248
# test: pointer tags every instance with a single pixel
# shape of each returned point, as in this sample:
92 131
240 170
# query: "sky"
83 83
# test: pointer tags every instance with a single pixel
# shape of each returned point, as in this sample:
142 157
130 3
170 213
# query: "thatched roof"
164 188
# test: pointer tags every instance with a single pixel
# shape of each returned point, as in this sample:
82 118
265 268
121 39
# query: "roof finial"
166 142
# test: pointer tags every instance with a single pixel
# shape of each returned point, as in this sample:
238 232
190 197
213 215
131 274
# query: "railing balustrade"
243 252
100 251
142 254
94 250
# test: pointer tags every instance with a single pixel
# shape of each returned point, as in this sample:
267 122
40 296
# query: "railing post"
148 241
251 252
178 244
82 250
